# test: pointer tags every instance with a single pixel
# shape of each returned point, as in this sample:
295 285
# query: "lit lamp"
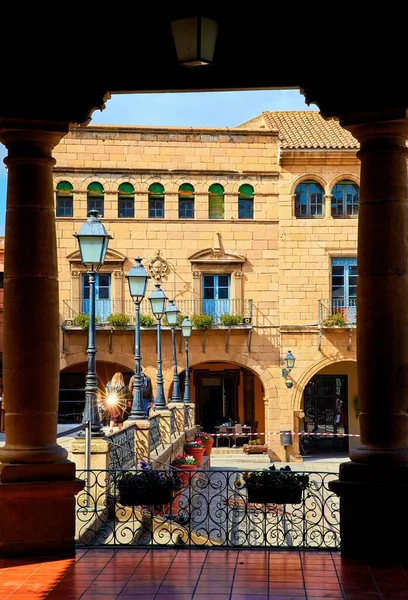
289 362
93 243
194 39
137 280
158 301
172 313
186 329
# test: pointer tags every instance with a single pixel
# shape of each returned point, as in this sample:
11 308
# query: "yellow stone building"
259 222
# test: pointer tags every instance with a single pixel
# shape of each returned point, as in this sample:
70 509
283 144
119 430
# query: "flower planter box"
274 495
154 497
258 449
271 486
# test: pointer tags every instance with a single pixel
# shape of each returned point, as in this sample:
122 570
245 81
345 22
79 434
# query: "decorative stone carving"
196 274
75 274
238 274
158 266
118 274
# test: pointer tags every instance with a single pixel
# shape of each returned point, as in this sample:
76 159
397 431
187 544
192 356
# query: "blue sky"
199 109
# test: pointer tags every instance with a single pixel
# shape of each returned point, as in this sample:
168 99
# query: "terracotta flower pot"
197 453
208 446
185 477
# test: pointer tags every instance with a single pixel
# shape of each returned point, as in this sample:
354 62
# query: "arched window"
64 200
186 201
156 201
309 199
345 199
216 201
95 197
126 201
246 202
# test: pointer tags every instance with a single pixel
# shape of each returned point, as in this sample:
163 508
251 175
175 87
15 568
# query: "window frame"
344 200
308 214
64 195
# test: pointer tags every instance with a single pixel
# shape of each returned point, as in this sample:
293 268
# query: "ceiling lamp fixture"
194 39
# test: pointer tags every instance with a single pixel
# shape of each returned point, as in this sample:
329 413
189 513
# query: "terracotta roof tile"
306 129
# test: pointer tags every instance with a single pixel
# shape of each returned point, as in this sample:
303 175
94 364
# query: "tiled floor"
200 575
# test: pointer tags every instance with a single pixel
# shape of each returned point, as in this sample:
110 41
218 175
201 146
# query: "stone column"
373 487
35 475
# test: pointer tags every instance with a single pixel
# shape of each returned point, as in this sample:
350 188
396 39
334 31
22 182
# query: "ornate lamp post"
172 313
186 329
158 301
137 280
93 243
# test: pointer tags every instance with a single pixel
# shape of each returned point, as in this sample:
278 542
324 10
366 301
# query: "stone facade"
278 266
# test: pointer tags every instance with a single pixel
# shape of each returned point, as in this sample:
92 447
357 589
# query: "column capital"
36 138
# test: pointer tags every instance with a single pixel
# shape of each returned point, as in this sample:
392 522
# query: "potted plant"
184 462
196 449
207 439
255 447
230 320
272 486
334 320
201 321
147 321
118 320
147 486
82 320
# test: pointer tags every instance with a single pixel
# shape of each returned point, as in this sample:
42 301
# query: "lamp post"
186 329
289 362
172 313
137 280
158 301
93 243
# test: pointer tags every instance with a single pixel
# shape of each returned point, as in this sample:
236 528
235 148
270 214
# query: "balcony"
337 313
103 308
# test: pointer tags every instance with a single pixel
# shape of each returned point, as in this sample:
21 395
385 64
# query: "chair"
238 433
223 430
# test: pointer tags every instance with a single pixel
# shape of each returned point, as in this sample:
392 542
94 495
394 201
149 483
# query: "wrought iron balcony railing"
337 313
215 308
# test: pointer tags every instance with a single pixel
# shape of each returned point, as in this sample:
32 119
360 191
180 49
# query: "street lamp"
186 329
137 280
93 243
158 301
172 313
289 363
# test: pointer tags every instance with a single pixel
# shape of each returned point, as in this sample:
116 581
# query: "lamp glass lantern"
137 280
186 328
93 241
158 301
172 313
289 363
194 38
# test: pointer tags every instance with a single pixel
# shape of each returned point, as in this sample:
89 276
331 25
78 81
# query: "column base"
373 501
37 518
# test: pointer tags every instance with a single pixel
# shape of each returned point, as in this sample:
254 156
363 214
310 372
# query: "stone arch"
126 360
314 176
314 370
344 176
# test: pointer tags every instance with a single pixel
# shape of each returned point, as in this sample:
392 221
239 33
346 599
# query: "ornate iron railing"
347 311
122 450
155 434
211 509
103 308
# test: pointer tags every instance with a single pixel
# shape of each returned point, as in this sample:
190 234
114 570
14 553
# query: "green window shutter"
156 190
126 190
64 188
95 189
246 191
186 190
216 201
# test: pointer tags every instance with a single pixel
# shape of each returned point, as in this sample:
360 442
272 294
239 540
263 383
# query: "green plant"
201 321
334 320
204 437
147 486
272 477
229 320
146 321
82 320
118 319
181 459
193 444
256 442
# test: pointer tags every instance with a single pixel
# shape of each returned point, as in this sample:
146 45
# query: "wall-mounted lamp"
194 39
289 362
